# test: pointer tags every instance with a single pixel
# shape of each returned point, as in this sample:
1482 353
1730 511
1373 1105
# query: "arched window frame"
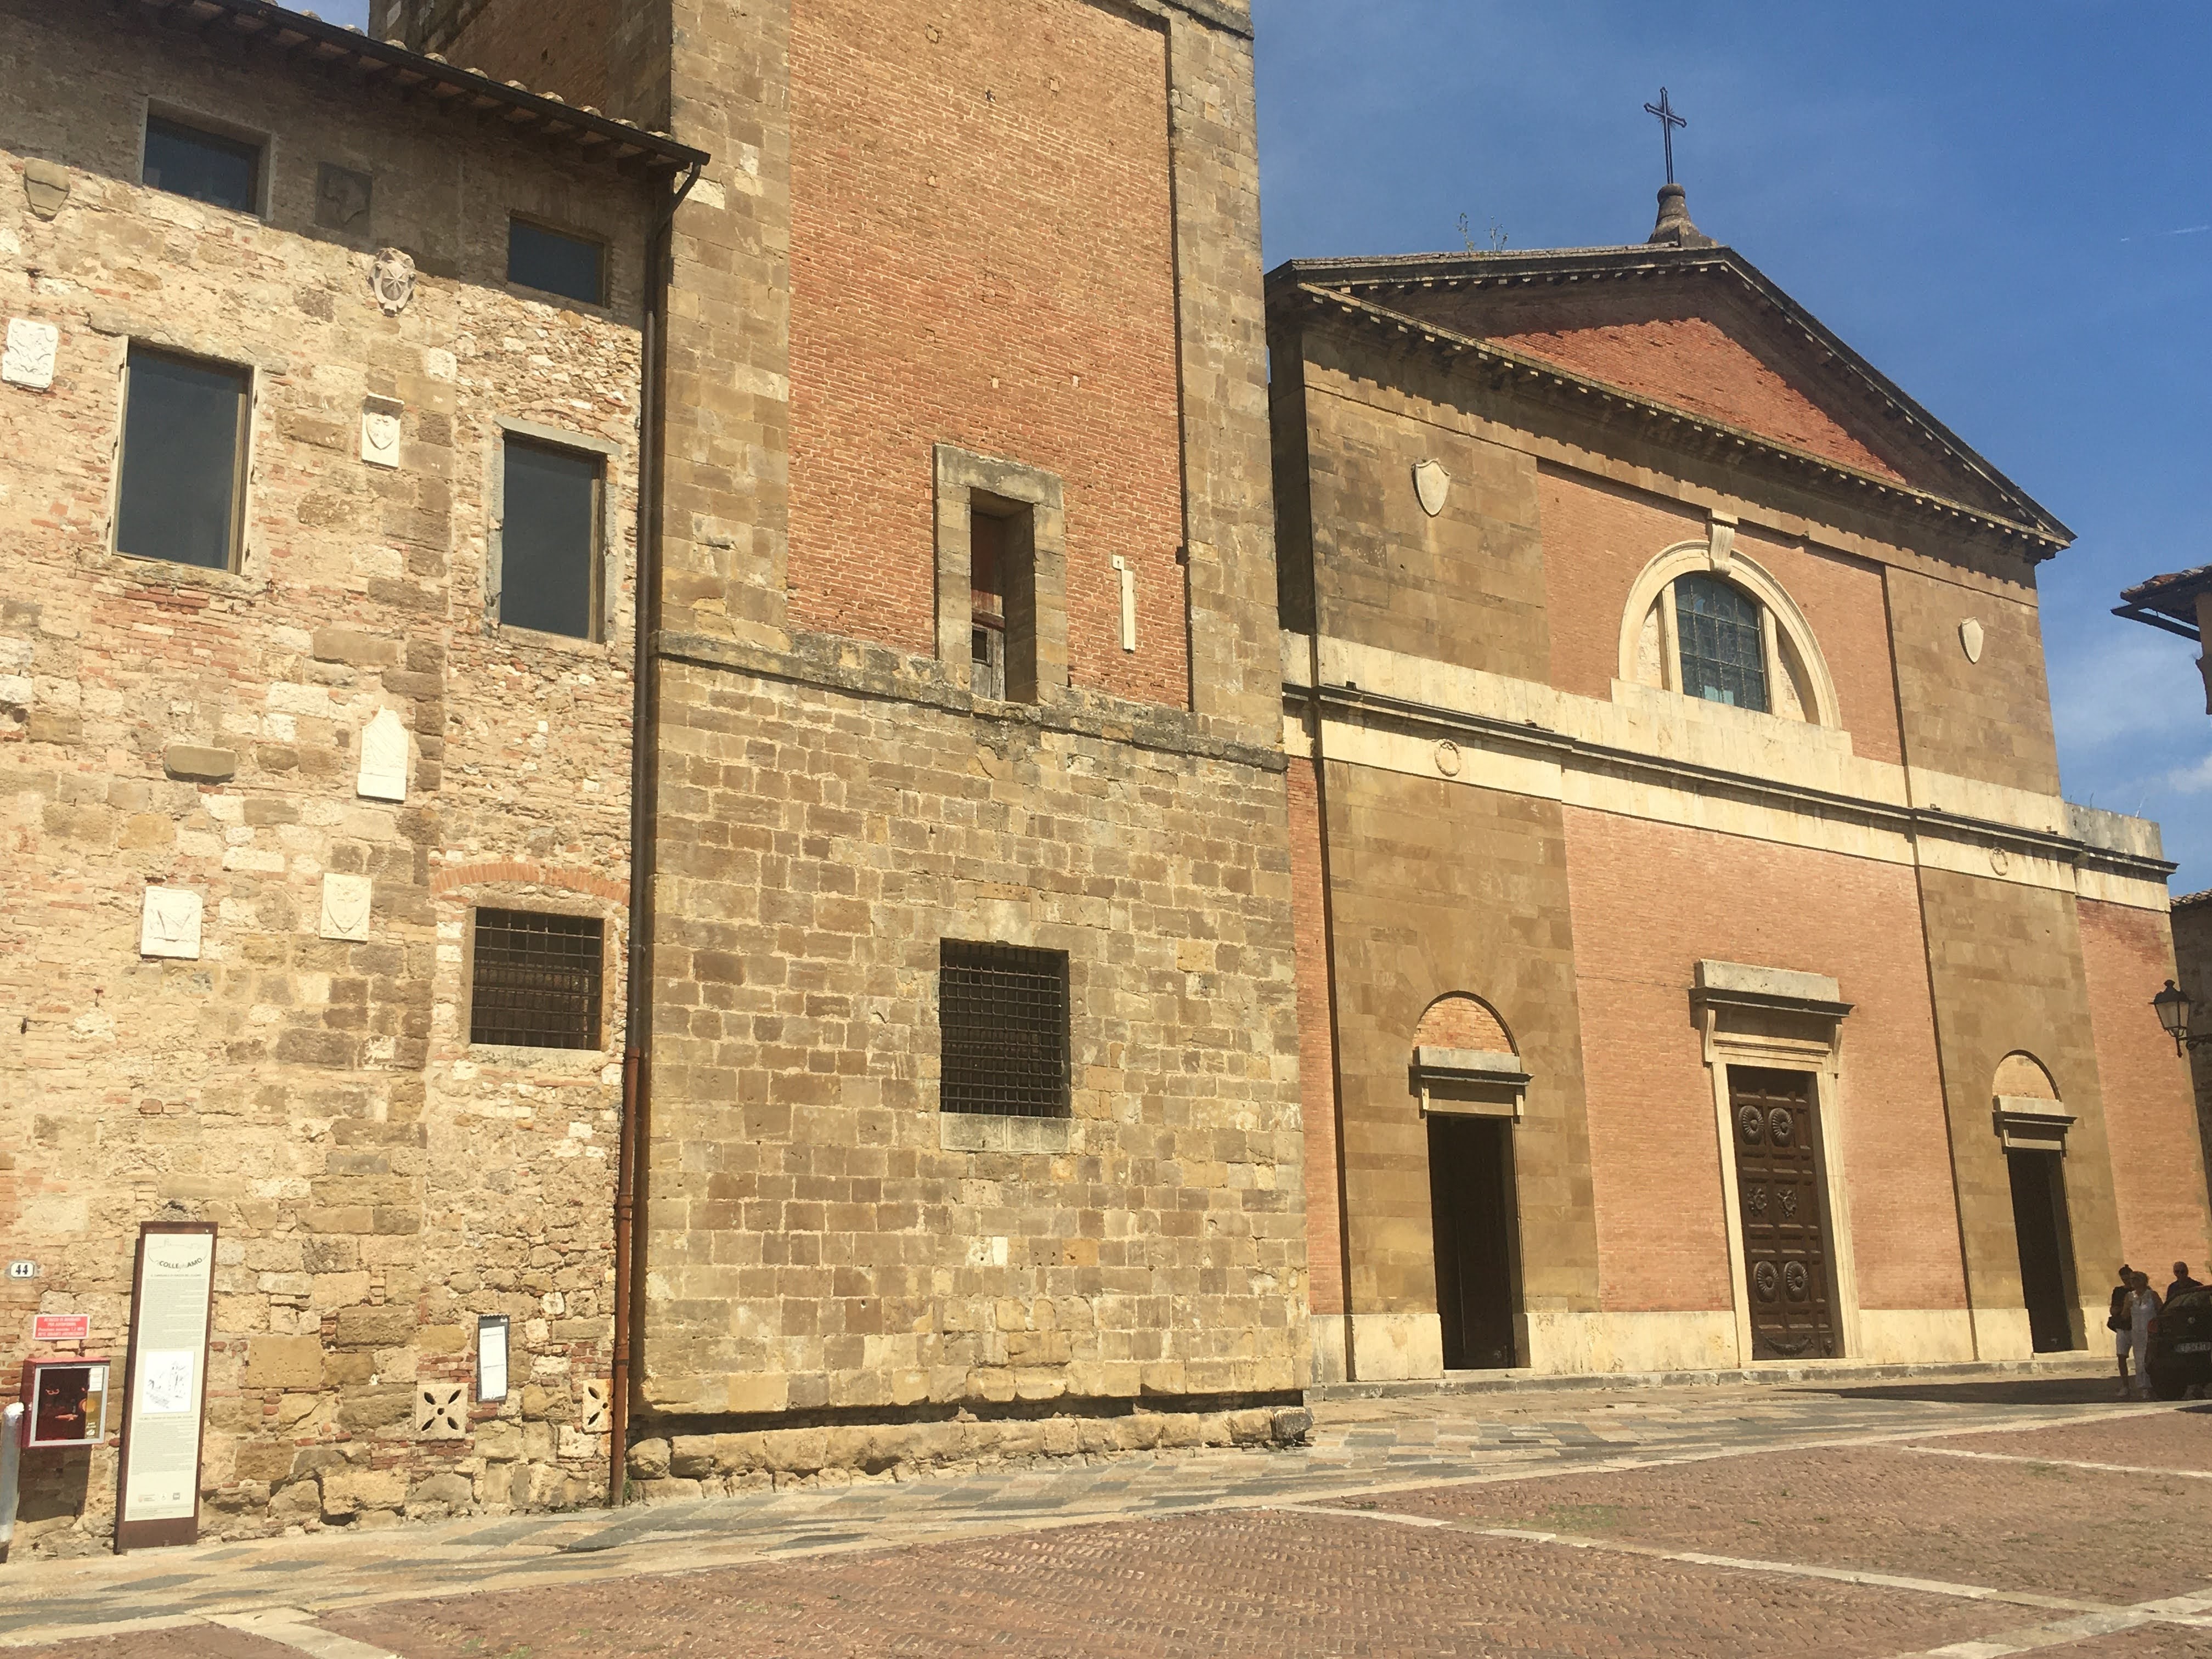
1780 622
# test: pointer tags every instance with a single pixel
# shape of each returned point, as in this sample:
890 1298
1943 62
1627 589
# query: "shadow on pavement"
1995 1391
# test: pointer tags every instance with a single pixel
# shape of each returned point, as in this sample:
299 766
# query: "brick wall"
1650 901
1597 538
1690 340
982 255
1316 1049
378 1182
2158 1162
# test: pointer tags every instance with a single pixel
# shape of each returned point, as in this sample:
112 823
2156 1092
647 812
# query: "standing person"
2115 1321
2182 1281
2142 1307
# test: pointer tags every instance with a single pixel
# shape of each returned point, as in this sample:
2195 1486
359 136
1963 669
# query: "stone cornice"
1518 373
857 669
1914 823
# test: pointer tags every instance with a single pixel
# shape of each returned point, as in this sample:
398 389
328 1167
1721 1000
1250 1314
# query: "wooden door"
1785 1243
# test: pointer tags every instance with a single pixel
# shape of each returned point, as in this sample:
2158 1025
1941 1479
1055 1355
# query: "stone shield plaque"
1431 483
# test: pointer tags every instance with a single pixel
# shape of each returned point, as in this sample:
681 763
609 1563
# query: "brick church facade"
1701 966
684 735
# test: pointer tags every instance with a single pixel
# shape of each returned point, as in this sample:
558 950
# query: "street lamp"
2173 1006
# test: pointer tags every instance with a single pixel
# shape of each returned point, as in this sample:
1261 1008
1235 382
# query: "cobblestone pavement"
1973 1520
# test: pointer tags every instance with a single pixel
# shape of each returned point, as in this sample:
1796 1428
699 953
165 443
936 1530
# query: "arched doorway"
1471 1087
2033 1124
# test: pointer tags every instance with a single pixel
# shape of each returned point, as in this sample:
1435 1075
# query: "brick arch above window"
2023 1076
528 872
1649 655
1459 1019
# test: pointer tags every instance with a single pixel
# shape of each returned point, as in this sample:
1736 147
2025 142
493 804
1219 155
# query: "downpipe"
636 1064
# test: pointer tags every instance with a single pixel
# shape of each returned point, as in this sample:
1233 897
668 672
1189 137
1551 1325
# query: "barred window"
1002 1014
1723 654
537 980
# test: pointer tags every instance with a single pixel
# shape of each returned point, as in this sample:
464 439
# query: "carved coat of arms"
391 278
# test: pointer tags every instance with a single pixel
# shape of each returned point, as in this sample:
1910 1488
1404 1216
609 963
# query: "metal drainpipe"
637 1068
11 1463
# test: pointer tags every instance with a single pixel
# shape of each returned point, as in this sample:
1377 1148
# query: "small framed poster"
65 1402
157 1491
492 1357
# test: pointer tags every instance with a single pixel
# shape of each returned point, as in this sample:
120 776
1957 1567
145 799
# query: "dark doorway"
1785 1238
2046 1248
1471 1197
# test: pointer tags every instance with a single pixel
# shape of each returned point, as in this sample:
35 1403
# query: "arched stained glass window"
1723 656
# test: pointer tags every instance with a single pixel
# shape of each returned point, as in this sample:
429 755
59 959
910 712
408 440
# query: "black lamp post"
2173 1006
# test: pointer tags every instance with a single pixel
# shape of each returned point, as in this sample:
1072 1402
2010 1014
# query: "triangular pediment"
1699 330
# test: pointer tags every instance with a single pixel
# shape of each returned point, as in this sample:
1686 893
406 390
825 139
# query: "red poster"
61 1328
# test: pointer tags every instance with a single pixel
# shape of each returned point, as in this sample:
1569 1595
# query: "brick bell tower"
971 1081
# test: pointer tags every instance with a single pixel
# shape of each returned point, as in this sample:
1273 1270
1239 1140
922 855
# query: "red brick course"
999 169
1650 901
2158 1170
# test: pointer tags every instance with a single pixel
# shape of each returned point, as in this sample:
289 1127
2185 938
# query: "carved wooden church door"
1786 1245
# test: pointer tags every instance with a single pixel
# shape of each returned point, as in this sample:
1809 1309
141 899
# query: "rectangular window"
184 459
574 267
536 983
1002 1016
548 542
208 166
1002 595
1724 650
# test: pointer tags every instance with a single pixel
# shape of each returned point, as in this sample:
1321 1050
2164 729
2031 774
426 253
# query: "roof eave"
1557 265
2045 541
585 134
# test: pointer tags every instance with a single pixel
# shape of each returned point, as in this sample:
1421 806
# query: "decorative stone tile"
379 430
383 774
441 1411
169 924
29 361
345 907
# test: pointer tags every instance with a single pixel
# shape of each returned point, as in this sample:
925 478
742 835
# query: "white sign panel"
168 1384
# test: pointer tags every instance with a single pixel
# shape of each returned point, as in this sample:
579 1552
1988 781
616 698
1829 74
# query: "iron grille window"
537 980
1002 1013
1723 656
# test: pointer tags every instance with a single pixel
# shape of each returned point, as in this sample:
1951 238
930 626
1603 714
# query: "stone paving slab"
1358 1446
2046 1528
1275 1582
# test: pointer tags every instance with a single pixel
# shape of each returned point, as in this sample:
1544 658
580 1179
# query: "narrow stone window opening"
1002 598
557 261
1002 1018
213 168
183 460
1723 652
535 982
550 545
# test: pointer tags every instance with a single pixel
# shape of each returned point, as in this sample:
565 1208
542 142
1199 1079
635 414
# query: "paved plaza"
1966 1518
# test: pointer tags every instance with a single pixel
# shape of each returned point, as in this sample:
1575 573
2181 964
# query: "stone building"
971 1118
1698 964
284 764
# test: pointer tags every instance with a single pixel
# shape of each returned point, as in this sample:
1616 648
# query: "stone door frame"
1781 1020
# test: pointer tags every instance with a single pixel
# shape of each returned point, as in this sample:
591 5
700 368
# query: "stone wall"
378 1183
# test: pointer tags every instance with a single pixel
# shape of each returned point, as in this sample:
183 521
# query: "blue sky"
2007 208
